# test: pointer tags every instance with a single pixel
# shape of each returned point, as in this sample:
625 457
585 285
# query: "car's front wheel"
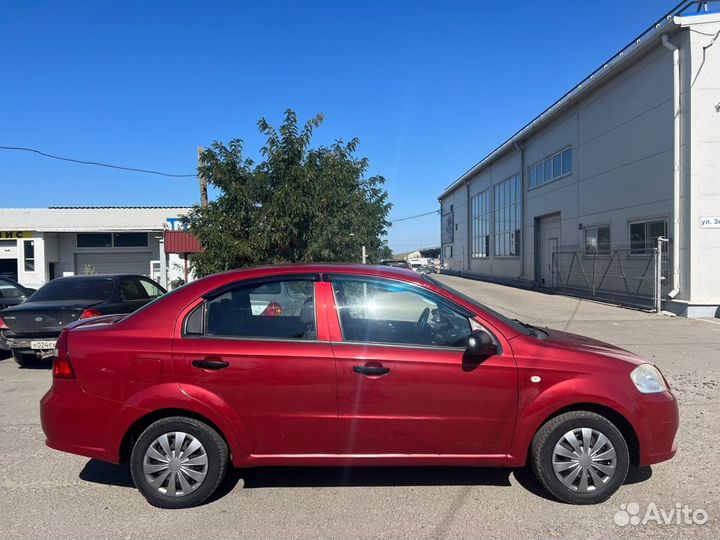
178 462
23 359
580 457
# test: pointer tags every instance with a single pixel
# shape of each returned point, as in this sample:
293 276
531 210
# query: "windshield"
513 323
95 289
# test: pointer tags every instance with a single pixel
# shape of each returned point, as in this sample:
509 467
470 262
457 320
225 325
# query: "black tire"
25 359
543 446
217 461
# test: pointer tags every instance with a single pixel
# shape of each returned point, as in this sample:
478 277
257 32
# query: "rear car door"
404 384
132 295
273 366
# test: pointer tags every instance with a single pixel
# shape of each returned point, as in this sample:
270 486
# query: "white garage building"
577 198
40 244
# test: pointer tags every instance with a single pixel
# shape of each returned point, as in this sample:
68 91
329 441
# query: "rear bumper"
660 421
13 342
78 423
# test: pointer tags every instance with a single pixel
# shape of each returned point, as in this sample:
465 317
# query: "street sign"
710 222
15 235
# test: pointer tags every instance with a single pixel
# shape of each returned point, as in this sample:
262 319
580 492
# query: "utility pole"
364 255
203 181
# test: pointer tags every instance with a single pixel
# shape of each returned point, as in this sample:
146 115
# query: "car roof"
12 281
103 276
328 268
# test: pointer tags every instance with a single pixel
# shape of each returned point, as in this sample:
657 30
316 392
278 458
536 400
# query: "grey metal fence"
621 275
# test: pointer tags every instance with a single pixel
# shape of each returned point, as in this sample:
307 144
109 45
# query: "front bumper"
659 419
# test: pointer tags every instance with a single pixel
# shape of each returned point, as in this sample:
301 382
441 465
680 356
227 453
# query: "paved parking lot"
46 494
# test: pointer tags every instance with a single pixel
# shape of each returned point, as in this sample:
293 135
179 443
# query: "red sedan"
348 365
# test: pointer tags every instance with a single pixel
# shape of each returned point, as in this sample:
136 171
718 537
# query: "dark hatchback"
30 330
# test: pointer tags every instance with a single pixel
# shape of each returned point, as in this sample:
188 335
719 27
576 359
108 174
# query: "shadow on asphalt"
41 365
638 474
99 472
6 356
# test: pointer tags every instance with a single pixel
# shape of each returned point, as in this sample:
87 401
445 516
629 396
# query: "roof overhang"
181 242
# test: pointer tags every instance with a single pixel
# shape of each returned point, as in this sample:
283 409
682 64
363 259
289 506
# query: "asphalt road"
47 494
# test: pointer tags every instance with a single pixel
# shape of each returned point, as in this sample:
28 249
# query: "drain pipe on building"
520 147
676 164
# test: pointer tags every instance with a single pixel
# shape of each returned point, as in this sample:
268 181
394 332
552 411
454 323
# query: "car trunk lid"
42 318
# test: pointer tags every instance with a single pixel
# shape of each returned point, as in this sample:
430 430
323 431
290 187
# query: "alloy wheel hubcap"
584 460
175 464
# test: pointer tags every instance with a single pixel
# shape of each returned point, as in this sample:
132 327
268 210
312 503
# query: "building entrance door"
8 259
548 242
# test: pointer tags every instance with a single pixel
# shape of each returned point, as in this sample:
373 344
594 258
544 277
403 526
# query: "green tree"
299 204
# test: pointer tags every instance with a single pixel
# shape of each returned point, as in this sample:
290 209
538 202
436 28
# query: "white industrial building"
40 244
577 198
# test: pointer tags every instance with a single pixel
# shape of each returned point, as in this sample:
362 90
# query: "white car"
276 298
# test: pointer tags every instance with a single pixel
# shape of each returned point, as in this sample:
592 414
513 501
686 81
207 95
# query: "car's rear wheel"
24 359
580 457
178 462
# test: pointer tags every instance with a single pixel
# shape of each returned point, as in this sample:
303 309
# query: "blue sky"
428 87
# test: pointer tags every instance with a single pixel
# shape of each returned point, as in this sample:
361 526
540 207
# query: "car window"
61 289
254 310
514 324
10 291
131 289
383 311
270 288
151 289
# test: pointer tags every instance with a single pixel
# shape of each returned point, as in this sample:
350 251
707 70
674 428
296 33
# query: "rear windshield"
75 289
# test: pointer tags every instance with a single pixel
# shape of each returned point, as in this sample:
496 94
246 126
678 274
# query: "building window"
29 255
448 252
644 235
130 240
508 221
551 168
94 240
597 240
108 240
480 208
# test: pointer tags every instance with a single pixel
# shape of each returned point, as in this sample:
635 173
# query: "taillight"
90 312
62 368
3 326
273 309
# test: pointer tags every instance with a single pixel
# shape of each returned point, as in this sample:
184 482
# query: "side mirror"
480 343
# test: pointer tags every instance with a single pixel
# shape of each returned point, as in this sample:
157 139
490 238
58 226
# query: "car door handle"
371 370
210 363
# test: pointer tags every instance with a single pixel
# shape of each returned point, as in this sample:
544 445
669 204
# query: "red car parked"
350 365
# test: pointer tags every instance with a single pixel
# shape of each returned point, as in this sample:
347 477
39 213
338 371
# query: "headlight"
648 379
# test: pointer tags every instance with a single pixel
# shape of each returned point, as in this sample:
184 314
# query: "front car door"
268 358
404 383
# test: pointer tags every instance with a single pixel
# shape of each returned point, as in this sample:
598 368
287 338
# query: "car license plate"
43 345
